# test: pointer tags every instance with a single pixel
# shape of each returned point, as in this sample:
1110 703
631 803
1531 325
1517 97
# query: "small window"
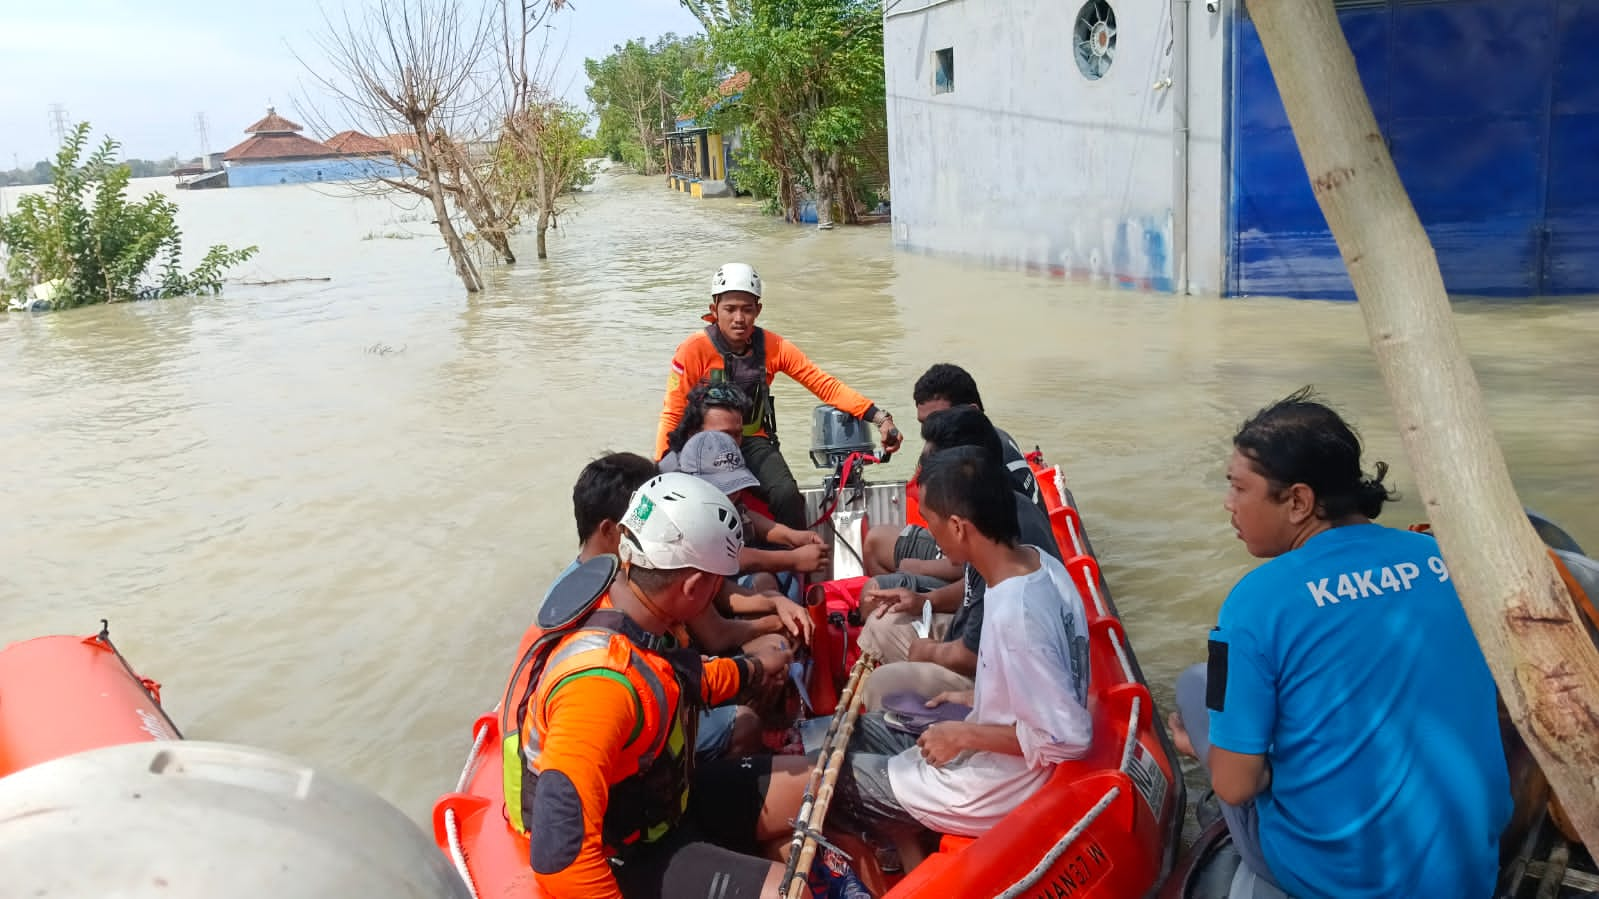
944 70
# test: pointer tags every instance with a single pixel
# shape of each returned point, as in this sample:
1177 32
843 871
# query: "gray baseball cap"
715 457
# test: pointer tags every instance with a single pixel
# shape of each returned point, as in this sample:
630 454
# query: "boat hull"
61 695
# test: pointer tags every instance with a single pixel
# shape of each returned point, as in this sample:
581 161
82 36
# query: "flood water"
321 513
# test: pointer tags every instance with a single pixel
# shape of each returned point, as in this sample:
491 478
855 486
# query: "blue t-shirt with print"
1350 665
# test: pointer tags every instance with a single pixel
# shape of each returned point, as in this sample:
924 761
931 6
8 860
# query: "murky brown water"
331 551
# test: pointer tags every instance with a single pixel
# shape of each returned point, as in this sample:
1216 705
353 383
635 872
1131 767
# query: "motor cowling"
835 434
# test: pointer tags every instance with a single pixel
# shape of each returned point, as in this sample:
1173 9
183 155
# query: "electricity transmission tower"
58 123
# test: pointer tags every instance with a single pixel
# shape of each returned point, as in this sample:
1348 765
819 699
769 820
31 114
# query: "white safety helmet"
736 276
677 521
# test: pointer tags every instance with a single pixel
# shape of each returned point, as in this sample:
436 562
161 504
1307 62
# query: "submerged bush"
90 245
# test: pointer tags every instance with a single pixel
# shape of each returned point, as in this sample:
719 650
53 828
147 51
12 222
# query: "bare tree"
540 146
409 72
457 88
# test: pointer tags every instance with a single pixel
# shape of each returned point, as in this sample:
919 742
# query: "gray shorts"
715 732
915 542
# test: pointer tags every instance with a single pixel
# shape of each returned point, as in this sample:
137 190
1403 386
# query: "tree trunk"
543 226
644 135
1546 666
464 266
826 188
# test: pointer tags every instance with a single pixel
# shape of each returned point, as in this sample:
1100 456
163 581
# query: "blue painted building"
276 153
1142 143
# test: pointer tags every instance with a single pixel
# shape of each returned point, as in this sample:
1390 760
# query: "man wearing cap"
731 349
713 456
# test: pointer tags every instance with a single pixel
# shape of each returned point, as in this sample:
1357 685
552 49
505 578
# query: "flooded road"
321 512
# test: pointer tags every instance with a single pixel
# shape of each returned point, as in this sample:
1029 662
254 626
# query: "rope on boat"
452 826
1132 735
452 829
1099 601
471 760
1078 547
1121 656
1115 641
1059 849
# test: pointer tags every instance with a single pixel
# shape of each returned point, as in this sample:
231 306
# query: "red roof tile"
273 124
278 146
354 143
734 83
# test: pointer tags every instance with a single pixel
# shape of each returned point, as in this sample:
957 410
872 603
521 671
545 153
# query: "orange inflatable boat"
1106 826
62 695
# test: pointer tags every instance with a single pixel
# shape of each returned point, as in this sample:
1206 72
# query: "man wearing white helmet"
605 749
732 349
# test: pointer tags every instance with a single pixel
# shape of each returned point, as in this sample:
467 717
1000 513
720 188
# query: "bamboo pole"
1542 659
813 810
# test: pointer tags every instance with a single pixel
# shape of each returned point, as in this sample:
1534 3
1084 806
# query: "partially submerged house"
276 153
699 159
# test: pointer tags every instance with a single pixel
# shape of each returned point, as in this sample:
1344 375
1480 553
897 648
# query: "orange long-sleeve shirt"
592 736
697 357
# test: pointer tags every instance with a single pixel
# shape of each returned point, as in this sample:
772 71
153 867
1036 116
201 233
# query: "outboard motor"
841 444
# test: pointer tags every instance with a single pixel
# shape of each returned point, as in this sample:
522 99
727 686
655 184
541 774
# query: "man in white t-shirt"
1029 703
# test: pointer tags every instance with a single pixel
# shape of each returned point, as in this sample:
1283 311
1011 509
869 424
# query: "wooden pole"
813 812
1542 659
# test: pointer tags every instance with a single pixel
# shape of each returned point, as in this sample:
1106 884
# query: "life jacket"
748 373
578 636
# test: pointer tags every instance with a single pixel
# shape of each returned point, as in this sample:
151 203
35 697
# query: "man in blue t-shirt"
1347 717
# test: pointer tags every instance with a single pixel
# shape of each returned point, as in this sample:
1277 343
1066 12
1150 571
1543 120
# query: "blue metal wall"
1491 109
260 174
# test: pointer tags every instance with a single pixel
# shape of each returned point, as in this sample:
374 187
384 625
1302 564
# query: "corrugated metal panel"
1493 122
884 503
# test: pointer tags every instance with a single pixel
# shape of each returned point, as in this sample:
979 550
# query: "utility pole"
205 140
58 123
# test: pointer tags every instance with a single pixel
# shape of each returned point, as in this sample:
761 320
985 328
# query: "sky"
142 71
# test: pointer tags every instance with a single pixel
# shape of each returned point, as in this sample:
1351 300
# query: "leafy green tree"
638 90
93 246
543 153
816 91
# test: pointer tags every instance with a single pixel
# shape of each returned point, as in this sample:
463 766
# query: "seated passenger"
709 407
1029 701
891 548
599 500
607 798
1347 717
731 349
714 458
891 604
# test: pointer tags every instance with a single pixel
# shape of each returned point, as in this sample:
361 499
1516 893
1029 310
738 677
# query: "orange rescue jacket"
701 355
611 719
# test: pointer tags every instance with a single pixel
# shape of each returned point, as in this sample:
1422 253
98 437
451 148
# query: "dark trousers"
778 488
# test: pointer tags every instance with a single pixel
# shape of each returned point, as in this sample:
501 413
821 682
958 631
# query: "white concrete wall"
1027 162
1209 167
